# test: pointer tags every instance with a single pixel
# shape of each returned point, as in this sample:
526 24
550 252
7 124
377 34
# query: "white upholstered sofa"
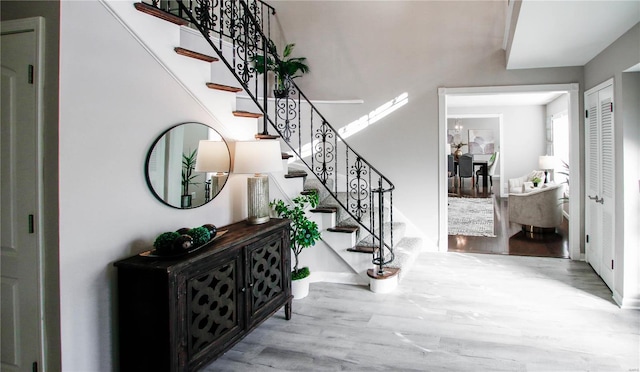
539 210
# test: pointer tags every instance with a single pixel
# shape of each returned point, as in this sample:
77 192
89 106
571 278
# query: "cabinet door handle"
243 289
593 198
601 201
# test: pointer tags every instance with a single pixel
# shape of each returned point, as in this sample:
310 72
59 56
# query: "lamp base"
258 199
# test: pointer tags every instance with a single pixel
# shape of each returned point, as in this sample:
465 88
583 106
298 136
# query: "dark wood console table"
181 313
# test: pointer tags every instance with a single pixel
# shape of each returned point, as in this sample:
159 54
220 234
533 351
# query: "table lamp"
213 157
546 162
257 157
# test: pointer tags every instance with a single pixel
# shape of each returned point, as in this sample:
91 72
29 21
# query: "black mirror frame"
148 158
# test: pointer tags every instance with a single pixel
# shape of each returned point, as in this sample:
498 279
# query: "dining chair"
465 168
451 168
492 165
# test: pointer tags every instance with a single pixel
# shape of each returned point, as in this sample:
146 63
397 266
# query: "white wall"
115 99
558 105
618 57
376 50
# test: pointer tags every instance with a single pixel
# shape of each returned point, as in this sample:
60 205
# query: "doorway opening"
492 100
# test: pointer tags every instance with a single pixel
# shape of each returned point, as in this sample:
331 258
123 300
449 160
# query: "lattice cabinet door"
214 306
268 275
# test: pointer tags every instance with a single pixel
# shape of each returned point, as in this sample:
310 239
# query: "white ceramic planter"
383 285
300 288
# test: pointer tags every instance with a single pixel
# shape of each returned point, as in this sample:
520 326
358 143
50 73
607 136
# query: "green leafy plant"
300 274
188 167
565 172
304 233
536 180
284 67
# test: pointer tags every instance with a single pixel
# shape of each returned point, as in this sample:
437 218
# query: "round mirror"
188 165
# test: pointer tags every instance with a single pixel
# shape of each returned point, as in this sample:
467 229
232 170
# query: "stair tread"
266 136
152 10
226 88
388 273
323 210
194 54
247 114
295 174
363 249
345 229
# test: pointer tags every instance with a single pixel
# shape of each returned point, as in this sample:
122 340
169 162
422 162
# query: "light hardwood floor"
452 312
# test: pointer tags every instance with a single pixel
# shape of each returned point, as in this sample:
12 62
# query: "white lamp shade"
262 156
213 156
547 162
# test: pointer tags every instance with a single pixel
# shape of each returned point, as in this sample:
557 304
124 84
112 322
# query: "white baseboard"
626 303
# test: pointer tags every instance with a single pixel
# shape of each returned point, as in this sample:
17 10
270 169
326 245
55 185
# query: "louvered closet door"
599 203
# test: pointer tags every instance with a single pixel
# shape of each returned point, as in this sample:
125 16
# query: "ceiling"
568 33
557 34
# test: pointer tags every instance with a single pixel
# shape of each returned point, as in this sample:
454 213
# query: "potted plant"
536 181
188 167
285 68
304 233
565 172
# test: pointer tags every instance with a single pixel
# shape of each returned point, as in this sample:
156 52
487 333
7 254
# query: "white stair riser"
339 240
323 220
289 186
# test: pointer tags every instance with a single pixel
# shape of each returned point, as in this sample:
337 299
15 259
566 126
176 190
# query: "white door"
20 201
599 173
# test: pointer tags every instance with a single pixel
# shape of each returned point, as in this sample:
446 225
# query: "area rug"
471 216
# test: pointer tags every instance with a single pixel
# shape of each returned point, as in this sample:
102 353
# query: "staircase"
356 201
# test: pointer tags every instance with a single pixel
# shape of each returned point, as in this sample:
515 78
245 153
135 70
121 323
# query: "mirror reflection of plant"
188 167
303 232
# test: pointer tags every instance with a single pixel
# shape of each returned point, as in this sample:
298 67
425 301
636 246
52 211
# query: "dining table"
483 164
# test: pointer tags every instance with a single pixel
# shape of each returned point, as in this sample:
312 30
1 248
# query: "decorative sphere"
183 230
182 243
164 242
213 230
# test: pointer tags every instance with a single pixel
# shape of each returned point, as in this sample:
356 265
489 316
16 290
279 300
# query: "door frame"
576 208
37 25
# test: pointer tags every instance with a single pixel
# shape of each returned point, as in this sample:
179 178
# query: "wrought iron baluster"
335 178
391 217
372 220
299 126
311 147
381 235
